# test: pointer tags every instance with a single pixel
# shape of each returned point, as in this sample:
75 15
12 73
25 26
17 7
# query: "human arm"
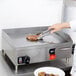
59 26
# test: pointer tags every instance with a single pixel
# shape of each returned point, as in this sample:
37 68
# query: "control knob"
27 60
52 54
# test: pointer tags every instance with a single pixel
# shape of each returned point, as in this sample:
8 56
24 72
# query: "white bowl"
50 70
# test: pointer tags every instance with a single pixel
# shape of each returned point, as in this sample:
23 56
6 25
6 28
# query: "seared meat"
42 74
32 37
52 75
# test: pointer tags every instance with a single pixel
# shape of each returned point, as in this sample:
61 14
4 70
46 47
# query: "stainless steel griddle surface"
17 37
23 42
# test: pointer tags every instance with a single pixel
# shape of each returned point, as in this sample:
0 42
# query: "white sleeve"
73 25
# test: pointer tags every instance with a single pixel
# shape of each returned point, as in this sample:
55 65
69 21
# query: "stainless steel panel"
35 54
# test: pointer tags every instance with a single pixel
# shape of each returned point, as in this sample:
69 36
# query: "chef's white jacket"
72 34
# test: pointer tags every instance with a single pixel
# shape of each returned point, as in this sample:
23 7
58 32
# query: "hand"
58 27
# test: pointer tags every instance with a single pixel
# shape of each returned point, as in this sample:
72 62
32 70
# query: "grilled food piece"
42 74
51 75
45 74
32 37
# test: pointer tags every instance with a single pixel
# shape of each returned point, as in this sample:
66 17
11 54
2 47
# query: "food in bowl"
41 74
45 74
49 71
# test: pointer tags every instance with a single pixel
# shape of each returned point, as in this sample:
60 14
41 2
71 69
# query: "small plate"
50 70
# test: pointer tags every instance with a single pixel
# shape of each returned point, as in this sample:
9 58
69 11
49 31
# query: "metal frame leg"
3 53
67 60
16 69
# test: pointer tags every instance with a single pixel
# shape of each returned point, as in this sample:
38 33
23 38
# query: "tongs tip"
44 33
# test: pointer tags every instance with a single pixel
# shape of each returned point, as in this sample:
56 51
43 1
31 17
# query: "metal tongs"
44 33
